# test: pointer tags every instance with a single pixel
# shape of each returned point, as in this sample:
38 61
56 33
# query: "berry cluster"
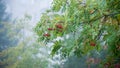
92 44
47 35
59 28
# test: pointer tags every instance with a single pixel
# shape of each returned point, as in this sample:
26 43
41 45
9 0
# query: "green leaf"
56 47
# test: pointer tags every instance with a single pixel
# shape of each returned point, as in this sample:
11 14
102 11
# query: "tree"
84 25
25 52
3 27
3 15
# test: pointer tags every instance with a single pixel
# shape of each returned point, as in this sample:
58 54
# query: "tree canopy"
83 26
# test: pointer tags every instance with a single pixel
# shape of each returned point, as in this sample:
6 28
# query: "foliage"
90 24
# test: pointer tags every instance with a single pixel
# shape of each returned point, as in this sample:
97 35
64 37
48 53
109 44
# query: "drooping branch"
106 15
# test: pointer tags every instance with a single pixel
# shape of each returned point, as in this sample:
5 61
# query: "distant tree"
3 15
26 52
4 25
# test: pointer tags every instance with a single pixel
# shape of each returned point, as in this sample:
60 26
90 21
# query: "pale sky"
32 7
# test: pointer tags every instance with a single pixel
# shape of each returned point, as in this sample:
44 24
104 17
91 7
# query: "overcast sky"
32 7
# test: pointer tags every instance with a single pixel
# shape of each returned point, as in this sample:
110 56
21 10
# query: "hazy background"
12 10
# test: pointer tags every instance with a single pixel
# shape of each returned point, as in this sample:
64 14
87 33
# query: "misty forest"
59 33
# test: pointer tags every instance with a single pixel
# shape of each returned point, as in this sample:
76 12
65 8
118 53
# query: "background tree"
25 52
3 27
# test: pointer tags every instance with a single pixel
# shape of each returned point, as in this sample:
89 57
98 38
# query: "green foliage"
57 5
56 47
88 24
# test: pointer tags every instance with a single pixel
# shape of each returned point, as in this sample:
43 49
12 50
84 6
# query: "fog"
13 10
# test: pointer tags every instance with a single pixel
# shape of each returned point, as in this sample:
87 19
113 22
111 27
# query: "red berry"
51 29
59 26
92 44
46 35
117 65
